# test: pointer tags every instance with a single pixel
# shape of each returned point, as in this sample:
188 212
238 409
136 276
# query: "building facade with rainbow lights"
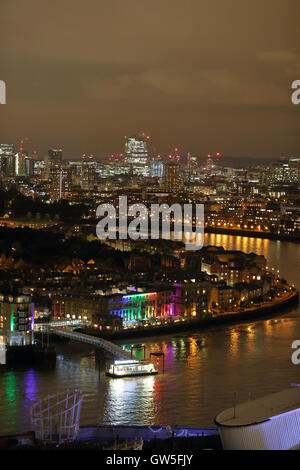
147 305
180 299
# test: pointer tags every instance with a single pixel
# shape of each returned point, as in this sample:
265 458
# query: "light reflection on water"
202 370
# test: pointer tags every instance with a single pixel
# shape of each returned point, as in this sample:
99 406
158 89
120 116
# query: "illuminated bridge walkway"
98 342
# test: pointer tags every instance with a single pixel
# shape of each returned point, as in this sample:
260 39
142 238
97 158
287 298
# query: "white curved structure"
268 423
56 417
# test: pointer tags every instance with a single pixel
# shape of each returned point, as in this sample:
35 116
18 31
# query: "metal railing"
55 418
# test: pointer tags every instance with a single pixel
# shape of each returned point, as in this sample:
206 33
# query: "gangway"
98 342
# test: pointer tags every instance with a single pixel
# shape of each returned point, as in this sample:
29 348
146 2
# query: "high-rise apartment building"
173 181
60 182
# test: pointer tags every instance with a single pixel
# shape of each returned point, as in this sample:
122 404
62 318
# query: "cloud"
180 68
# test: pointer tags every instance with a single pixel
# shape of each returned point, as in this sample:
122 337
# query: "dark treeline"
19 205
43 246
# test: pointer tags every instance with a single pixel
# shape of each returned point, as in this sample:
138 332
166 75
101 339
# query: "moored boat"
130 368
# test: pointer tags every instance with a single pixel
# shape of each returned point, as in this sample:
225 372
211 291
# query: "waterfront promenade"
252 233
273 307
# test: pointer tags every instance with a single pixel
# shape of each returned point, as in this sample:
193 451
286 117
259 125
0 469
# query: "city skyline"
207 77
26 146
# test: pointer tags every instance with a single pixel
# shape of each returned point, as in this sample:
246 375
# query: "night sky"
200 75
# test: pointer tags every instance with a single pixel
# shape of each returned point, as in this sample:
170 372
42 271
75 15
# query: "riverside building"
17 319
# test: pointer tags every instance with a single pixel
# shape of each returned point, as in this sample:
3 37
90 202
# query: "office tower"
136 155
29 165
7 149
55 155
7 159
157 169
136 151
20 163
7 165
23 165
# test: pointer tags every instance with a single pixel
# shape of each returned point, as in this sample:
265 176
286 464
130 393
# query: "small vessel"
130 368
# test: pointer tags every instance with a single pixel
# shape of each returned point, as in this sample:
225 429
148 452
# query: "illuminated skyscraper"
23 165
157 169
29 165
20 164
7 149
7 160
136 155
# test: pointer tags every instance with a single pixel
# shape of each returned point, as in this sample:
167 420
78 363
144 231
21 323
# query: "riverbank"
253 314
122 437
252 233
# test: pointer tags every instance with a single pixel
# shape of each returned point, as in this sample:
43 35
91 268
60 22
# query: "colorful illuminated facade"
147 306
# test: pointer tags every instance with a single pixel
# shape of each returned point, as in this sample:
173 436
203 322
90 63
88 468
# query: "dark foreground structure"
152 438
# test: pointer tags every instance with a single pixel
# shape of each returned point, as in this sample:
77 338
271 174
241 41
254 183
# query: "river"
203 370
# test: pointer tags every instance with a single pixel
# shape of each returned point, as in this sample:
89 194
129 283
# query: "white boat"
130 368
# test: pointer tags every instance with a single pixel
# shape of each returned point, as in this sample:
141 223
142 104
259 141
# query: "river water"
203 370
